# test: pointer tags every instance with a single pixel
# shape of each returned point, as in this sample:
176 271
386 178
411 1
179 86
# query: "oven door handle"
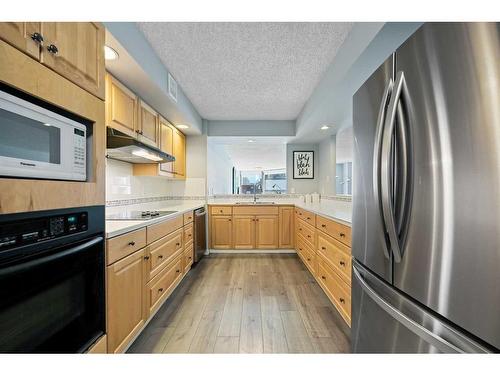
43 260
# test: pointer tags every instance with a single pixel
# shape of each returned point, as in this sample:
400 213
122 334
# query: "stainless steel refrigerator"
426 198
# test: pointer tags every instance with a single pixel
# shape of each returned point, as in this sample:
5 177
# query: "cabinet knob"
146 257
37 37
308 259
308 236
131 243
323 277
342 300
323 248
228 219
342 263
178 244
160 256
189 235
342 234
323 225
160 290
189 258
52 48
177 271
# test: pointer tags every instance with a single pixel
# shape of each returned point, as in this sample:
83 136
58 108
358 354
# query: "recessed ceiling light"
325 127
182 126
251 141
110 53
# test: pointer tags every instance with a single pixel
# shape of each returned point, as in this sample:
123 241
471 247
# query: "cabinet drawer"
120 246
336 230
221 210
156 231
336 254
188 217
161 252
188 233
307 232
160 287
307 254
307 216
188 258
256 210
336 289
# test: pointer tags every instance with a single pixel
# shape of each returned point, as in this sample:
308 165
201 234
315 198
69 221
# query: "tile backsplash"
122 184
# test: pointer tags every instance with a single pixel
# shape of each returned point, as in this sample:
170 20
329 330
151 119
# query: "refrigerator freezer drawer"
385 321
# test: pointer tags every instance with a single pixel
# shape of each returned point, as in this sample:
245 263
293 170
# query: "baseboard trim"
252 251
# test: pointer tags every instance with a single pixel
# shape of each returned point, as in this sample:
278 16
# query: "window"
343 170
259 182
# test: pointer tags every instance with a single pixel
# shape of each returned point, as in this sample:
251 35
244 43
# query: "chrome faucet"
277 189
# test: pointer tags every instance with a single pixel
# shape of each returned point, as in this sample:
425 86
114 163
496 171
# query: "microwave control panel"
25 232
79 145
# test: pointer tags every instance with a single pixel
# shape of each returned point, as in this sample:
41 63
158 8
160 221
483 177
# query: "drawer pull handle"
308 236
131 243
189 258
37 37
220 211
178 244
160 290
342 263
52 48
308 259
323 248
300 229
342 300
228 219
342 234
146 257
160 256
189 235
323 277
177 271
323 225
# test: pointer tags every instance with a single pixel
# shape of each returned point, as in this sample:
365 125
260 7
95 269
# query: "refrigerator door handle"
386 179
428 336
377 154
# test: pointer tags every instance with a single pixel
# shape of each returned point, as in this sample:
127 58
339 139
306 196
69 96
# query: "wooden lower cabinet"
286 227
222 232
158 289
244 232
161 252
188 257
266 232
124 300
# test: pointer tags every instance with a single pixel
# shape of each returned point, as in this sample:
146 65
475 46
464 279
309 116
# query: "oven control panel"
24 232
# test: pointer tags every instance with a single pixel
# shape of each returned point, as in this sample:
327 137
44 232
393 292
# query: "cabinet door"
19 34
286 228
121 107
267 229
166 143
148 124
221 231
179 148
125 295
244 232
75 50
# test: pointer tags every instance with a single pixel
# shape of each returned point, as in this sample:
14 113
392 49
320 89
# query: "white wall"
302 186
327 157
219 170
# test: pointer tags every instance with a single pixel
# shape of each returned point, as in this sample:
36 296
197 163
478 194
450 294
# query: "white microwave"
38 143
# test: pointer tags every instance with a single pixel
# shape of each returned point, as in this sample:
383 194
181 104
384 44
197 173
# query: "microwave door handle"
376 156
44 260
386 172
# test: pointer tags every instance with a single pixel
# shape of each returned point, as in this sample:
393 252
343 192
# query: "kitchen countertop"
117 227
340 211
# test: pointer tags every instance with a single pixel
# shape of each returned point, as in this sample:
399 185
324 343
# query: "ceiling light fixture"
110 53
182 126
325 127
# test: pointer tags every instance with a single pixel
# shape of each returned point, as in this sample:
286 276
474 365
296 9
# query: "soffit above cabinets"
247 71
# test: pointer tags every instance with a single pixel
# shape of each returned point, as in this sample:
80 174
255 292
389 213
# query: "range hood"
123 147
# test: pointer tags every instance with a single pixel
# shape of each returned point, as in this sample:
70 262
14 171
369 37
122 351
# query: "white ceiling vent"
172 87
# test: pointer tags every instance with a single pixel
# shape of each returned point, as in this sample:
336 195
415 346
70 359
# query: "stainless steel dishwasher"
200 237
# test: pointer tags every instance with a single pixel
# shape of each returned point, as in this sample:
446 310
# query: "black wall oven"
52 280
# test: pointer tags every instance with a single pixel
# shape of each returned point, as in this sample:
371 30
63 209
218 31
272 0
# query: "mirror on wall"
343 167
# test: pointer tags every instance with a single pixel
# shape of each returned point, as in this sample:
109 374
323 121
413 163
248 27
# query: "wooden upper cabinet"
22 36
179 151
148 124
125 294
286 229
121 107
166 143
75 50
221 232
267 232
244 232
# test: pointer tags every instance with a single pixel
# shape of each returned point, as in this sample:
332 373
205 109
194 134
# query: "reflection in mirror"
343 174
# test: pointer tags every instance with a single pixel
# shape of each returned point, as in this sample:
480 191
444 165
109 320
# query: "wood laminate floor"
246 303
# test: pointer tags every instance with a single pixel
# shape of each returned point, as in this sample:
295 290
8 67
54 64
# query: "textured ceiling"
246 71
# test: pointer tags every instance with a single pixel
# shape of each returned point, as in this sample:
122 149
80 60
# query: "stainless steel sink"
254 203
